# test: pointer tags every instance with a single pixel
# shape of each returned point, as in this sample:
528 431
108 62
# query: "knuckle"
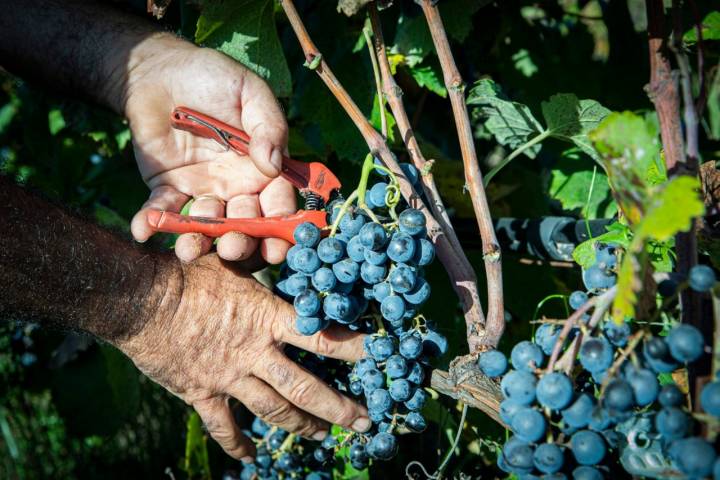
345 415
277 414
302 392
324 346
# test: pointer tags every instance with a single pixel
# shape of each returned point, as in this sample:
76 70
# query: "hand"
222 336
178 166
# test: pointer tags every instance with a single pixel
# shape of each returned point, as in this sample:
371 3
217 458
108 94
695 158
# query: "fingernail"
361 425
276 159
319 435
247 460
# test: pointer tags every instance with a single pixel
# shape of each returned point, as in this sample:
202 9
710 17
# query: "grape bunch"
366 274
565 426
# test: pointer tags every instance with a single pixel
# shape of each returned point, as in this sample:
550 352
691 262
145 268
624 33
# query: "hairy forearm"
57 268
82 47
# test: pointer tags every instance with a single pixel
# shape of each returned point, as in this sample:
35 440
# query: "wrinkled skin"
220 334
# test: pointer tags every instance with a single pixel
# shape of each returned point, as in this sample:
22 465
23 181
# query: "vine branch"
465 286
495 324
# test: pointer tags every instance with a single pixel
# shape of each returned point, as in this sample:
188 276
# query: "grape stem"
343 210
569 324
632 345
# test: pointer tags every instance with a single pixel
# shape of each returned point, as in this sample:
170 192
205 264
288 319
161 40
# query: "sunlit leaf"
571 119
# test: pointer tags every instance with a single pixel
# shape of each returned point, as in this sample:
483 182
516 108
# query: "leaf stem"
343 210
532 142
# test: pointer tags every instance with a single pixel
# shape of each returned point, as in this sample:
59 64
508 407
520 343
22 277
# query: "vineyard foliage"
562 124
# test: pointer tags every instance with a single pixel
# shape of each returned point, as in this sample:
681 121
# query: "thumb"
263 119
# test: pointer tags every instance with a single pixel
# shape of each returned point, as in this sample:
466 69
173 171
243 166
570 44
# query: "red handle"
260 227
314 177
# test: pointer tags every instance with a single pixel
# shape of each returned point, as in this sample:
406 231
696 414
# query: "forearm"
56 268
85 48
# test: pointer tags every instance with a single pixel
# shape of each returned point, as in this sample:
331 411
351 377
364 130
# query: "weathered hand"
220 334
178 166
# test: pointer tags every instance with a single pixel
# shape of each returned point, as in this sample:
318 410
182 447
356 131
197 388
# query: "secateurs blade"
314 180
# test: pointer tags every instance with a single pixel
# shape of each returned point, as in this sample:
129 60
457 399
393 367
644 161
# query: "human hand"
179 167
220 334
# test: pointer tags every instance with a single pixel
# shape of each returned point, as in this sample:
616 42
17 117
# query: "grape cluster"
565 426
366 274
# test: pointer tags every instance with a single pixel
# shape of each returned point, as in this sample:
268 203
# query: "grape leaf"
571 183
584 253
512 123
245 30
524 63
571 119
426 76
710 29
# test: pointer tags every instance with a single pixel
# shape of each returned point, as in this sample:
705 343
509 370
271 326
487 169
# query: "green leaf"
245 30
196 463
56 121
412 39
524 63
426 76
577 187
571 119
584 253
710 27
7 113
512 123
672 210
628 283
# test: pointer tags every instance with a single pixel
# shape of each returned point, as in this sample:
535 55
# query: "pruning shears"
316 183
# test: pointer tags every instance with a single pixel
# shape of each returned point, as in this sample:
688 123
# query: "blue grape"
259 427
585 472
396 366
331 250
291 254
578 414
518 455
379 400
356 387
417 401
401 390
401 248
343 287
508 409
554 390
411 221
383 446
657 355
309 325
519 386
493 363
329 442
526 356
307 234
545 336
372 379
375 258
671 396
307 303
411 172
618 395
605 255
617 335
338 306
356 250
600 419
402 278
350 223
419 294
415 422
672 423
357 451
702 278
322 455
693 456
347 271
596 354
710 398
324 280
306 261
644 384
297 283
382 348
548 458
424 252
381 291
372 274
528 424
377 194
276 439
587 447
410 346
416 374
596 278
577 299
686 343
372 236
392 308
434 343
716 469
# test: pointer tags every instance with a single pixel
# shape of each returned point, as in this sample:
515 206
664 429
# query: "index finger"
335 341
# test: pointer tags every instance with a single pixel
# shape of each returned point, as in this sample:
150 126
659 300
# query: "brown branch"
495 324
465 286
567 328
